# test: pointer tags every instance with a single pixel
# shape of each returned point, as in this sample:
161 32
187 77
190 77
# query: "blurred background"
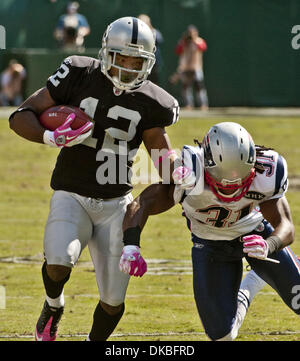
251 58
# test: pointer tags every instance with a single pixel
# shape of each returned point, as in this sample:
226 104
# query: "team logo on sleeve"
68 61
117 91
285 185
251 158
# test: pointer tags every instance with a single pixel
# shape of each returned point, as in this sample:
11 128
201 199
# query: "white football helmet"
127 36
229 159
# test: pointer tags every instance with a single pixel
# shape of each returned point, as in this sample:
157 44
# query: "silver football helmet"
127 36
229 159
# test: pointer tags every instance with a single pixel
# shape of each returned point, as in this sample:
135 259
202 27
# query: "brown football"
53 117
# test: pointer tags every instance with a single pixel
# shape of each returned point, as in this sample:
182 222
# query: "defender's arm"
155 199
277 212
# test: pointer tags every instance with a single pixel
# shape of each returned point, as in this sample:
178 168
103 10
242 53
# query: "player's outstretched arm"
158 145
165 159
277 212
25 121
155 199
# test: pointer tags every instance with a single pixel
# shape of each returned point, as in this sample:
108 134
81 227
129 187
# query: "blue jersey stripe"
280 172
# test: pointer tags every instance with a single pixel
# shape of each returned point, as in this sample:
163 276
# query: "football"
54 117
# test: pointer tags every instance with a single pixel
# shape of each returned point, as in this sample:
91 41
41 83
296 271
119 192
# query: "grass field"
159 306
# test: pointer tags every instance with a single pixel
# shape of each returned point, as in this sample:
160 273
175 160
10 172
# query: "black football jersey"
100 166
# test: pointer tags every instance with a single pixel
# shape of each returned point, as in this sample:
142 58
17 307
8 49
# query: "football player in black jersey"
87 208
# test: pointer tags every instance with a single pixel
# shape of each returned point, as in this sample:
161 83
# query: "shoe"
47 325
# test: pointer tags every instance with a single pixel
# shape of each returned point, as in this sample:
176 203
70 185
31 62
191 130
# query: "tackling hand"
65 136
255 246
184 177
132 262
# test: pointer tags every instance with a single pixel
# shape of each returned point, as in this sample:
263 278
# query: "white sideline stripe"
95 295
155 334
168 267
141 334
38 258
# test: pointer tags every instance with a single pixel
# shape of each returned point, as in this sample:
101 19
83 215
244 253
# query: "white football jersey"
212 219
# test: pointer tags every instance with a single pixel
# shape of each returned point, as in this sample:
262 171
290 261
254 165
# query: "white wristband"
48 138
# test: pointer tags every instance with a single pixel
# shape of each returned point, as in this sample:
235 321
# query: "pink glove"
65 136
184 177
255 246
132 262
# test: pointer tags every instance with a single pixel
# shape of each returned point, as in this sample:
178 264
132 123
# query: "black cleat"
47 325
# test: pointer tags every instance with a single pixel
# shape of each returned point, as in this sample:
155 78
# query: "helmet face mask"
229 159
233 191
128 37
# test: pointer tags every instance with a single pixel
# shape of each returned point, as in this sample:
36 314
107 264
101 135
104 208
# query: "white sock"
251 285
56 302
239 318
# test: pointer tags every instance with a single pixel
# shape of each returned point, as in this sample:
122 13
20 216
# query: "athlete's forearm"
277 212
155 199
159 147
26 123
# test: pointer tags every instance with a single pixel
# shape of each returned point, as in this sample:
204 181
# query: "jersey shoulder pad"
193 158
163 108
273 182
79 61
69 76
281 177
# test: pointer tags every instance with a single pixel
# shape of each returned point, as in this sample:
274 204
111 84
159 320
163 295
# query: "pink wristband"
160 159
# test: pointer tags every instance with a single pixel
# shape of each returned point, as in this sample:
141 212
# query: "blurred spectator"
190 50
72 28
155 73
11 80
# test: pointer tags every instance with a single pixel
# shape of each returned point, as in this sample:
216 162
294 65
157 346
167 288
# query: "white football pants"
74 222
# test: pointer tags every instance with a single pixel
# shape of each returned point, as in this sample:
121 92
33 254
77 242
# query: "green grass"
158 307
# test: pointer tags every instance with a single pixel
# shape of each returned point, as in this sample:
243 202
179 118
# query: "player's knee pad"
111 310
53 288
